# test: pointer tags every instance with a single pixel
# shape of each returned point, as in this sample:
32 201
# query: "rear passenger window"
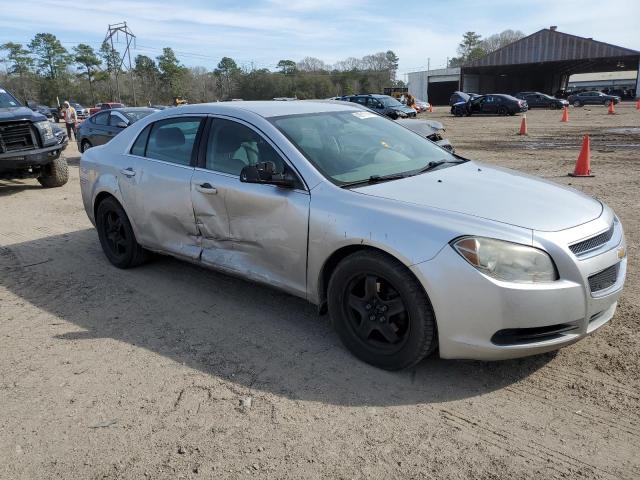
172 140
141 142
101 118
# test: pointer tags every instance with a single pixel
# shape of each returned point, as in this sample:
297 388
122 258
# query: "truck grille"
593 242
15 137
604 279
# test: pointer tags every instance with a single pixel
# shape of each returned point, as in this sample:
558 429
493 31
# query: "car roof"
266 108
134 109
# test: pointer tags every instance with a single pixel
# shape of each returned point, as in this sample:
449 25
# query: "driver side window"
232 146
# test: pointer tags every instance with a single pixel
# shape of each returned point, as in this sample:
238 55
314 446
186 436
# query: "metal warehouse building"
543 62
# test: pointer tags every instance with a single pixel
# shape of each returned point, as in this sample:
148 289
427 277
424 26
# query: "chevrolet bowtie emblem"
622 252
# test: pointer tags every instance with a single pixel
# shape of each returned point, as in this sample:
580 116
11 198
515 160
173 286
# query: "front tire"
85 145
380 311
577 103
116 235
502 111
55 174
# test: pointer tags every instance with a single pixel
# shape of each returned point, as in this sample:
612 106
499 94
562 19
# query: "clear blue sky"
261 32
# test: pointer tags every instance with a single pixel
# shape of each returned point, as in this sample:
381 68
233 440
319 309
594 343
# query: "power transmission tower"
114 31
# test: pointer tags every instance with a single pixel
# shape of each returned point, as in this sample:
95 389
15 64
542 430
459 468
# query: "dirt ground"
171 371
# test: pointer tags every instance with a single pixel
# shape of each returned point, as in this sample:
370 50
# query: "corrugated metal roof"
550 46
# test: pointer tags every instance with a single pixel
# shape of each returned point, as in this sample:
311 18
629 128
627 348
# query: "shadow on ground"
225 327
11 187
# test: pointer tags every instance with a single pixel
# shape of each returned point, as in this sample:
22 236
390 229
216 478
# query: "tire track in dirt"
562 463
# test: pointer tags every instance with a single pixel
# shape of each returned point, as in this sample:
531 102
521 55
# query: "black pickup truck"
30 145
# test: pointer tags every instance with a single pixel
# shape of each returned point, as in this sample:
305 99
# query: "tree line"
45 71
473 46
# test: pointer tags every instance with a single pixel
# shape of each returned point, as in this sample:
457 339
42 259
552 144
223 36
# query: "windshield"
7 100
390 102
136 115
354 146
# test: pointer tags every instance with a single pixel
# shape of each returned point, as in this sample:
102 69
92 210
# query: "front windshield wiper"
375 179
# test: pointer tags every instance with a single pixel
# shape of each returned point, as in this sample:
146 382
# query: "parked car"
422 105
409 247
100 128
429 129
43 109
30 145
383 104
494 103
104 106
592 98
457 97
81 112
541 100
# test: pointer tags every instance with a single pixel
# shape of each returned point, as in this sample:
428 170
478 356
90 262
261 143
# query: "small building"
434 86
624 80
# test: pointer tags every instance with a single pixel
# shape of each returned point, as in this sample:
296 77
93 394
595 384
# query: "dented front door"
255 230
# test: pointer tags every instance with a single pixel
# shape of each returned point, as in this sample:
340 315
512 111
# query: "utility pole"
115 30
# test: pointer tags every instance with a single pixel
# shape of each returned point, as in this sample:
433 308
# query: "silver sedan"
408 246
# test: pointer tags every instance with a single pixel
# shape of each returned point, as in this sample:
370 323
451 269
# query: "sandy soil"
171 371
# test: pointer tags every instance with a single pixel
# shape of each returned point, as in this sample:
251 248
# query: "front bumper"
29 158
474 311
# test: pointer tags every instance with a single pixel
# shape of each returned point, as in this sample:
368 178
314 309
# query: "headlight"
45 130
507 261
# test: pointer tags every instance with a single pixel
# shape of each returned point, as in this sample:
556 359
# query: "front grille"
520 336
593 242
604 279
15 137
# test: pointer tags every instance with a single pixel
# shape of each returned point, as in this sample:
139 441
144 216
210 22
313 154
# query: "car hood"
402 108
20 113
494 193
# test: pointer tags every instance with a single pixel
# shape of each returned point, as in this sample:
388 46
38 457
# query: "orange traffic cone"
612 108
565 114
583 164
638 104
431 108
523 126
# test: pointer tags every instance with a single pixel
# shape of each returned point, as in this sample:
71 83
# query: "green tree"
392 60
172 72
19 63
469 49
52 59
147 72
88 63
227 72
287 66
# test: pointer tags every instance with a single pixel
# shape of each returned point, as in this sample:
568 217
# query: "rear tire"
577 103
116 235
607 103
56 174
85 145
380 311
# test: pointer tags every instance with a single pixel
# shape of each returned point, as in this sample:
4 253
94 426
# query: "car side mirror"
121 124
265 172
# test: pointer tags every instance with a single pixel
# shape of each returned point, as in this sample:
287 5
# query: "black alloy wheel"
116 235
376 313
380 311
502 111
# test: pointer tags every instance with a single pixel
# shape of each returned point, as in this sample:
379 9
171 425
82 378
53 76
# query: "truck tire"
56 174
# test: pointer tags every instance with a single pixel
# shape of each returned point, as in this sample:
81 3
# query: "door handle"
128 172
207 188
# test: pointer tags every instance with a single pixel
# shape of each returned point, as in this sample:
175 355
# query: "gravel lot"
172 371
